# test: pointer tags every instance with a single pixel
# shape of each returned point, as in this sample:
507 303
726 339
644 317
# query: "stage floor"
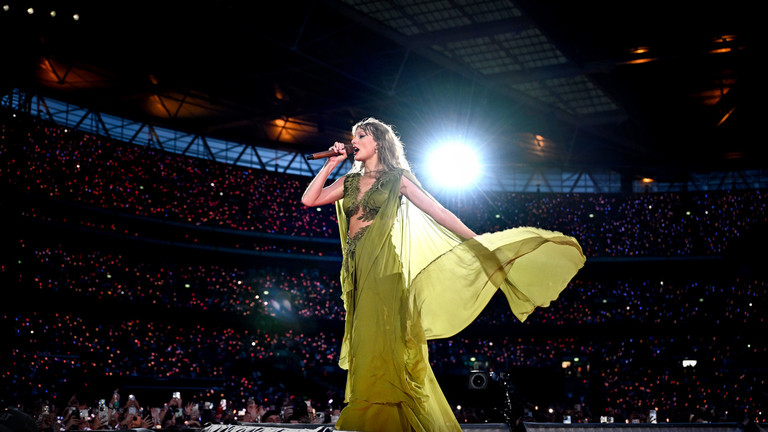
526 427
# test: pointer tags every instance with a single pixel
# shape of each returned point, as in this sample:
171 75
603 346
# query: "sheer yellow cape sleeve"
451 279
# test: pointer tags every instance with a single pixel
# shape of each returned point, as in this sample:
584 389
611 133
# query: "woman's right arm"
316 194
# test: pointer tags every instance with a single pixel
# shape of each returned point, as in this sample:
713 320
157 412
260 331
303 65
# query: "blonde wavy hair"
390 148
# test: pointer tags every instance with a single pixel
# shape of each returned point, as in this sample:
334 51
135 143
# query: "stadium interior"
153 156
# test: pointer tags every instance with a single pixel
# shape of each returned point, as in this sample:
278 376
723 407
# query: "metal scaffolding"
262 157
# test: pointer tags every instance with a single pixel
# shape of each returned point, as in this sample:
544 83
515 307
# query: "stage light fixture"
478 380
454 165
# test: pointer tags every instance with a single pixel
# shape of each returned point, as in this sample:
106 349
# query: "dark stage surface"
526 427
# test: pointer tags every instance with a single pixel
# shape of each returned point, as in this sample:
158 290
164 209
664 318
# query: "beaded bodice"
361 208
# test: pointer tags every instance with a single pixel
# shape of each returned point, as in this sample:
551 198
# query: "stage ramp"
502 427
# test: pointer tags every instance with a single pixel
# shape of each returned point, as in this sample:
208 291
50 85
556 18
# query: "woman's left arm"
440 214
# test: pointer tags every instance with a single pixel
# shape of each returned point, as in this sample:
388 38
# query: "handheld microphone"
330 153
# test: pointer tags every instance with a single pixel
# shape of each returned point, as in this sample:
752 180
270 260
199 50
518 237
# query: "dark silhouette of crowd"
142 273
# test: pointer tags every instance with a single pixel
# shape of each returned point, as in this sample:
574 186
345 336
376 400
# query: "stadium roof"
646 89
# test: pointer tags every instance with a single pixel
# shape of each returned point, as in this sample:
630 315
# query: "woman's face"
363 144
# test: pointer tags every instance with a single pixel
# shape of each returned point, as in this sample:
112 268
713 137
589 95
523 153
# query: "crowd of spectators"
263 335
114 412
88 169
55 162
307 291
618 225
627 371
276 291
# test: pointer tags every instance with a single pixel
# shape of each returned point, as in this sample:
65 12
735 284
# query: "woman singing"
411 272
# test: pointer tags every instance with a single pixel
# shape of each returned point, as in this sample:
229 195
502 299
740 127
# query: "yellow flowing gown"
406 279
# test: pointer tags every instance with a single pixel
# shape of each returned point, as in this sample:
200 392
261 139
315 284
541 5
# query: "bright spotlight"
454 165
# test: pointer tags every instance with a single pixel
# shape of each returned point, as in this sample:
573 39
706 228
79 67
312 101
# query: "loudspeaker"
478 380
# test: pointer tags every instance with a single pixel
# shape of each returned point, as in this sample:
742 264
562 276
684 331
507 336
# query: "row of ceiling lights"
721 44
31 11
